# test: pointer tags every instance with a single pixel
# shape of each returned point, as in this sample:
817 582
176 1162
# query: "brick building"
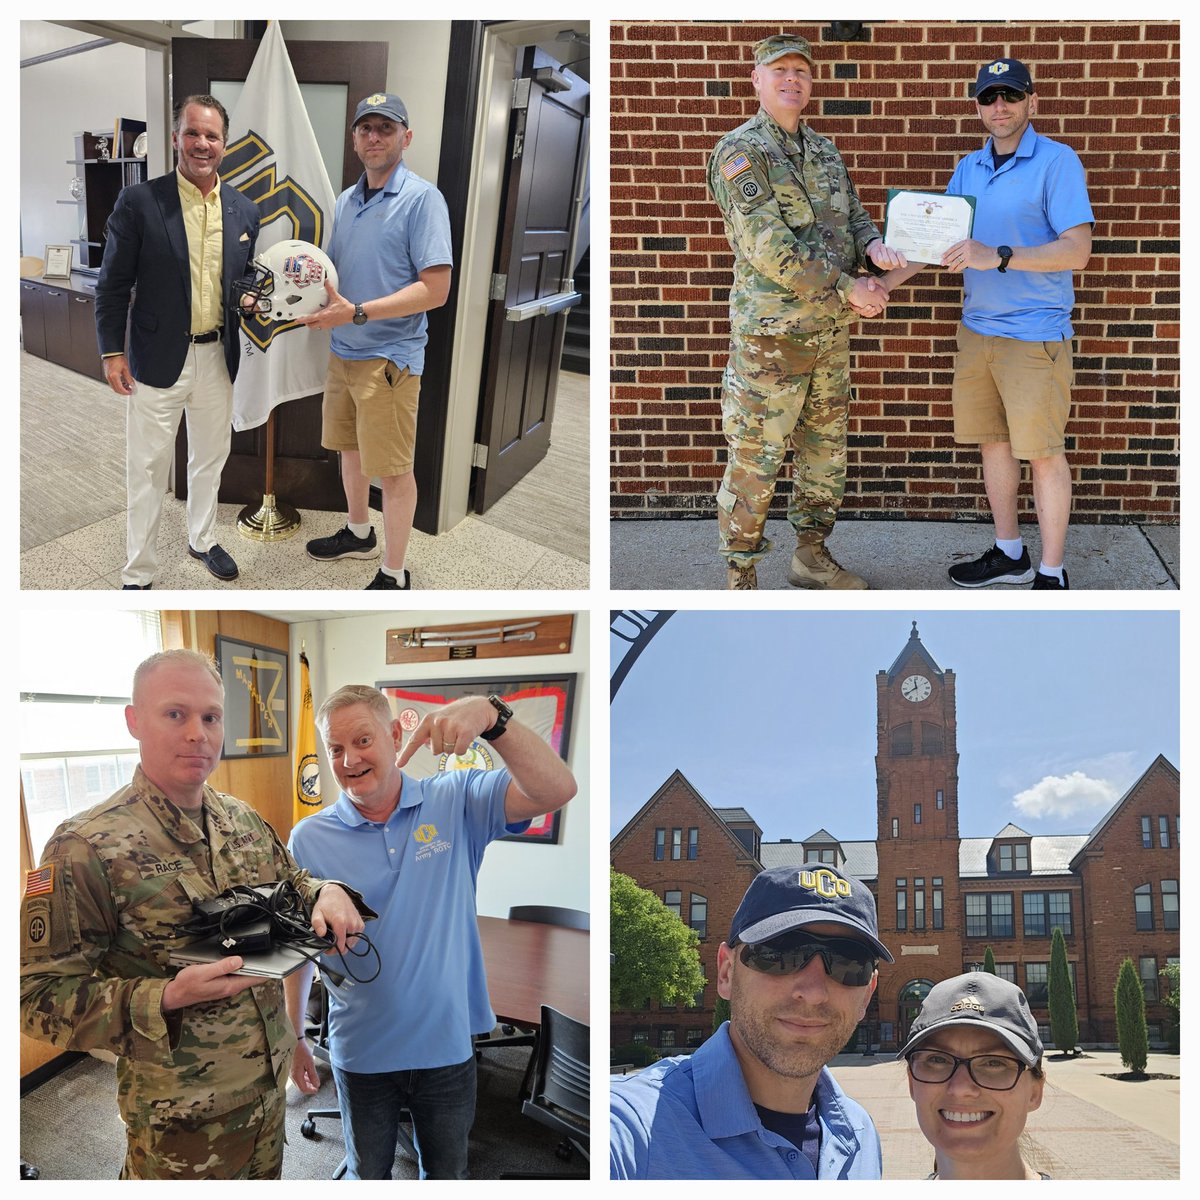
895 98
942 898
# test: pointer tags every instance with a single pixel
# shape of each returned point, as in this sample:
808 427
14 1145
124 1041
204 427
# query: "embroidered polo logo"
825 883
425 834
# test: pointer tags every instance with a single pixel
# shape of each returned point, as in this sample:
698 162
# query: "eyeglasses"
996 1072
846 961
1011 96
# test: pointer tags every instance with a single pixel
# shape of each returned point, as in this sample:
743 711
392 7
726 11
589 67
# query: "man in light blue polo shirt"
414 848
391 247
1013 371
756 1101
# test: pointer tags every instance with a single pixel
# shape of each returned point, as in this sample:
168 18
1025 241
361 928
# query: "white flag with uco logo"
272 158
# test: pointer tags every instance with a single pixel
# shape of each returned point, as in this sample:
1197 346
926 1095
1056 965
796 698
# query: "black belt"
198 339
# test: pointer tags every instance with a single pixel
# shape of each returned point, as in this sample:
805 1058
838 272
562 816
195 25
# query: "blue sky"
775 711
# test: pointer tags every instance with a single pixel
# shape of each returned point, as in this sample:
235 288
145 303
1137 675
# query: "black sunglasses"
1011 96
846 961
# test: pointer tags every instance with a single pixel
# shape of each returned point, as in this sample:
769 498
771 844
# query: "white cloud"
1066 795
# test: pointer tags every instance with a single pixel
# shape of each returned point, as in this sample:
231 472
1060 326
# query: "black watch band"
503 715
1005 253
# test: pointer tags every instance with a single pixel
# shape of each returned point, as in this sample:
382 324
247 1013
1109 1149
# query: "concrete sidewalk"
682 554
1088 1127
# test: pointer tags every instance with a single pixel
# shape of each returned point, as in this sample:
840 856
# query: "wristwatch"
490 735
360 317
1005 253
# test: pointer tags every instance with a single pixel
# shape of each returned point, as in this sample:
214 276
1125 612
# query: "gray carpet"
70 1128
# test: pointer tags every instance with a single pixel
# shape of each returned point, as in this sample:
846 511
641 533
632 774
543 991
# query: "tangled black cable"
290 921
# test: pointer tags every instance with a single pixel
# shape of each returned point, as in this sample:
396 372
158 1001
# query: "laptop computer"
276 963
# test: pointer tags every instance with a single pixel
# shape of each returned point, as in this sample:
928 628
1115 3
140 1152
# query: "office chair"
544 914
308 1127
559 1098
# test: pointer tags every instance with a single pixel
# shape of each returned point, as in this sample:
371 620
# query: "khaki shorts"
1011 391
371 406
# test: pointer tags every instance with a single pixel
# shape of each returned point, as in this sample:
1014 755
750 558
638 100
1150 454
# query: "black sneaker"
136 587
343 544
1049 583
993 566
383 582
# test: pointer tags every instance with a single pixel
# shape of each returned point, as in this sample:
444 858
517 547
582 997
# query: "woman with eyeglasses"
975 1074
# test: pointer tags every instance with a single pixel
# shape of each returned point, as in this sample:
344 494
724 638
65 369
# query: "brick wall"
897 106
1110 874
722 872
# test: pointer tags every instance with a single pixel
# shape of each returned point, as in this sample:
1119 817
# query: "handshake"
870 294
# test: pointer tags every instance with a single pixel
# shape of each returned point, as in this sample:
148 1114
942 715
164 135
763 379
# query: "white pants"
202 391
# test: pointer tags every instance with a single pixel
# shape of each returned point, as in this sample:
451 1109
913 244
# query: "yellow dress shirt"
202 221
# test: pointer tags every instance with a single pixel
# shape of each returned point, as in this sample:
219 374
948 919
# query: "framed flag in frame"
544 704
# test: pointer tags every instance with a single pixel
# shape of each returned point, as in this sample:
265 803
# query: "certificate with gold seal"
924 225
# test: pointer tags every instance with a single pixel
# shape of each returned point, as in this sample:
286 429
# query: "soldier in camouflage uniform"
203 1054
799 237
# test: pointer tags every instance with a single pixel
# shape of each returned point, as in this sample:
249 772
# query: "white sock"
397 573
1011 547
359 531
1054 572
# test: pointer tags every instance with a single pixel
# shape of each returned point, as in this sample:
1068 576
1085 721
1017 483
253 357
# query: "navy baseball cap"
383 103
1004 72
979 1000
787 898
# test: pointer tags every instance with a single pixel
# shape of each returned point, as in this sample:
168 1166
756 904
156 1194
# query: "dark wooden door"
547 143
306 474
33 318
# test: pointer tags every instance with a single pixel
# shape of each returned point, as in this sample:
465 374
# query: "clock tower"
916 771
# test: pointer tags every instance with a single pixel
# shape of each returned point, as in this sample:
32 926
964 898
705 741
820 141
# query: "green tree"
1064 1021
720 1013
655 954
989 961
1171 999
1130 999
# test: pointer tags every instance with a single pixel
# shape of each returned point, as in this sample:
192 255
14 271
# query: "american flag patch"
40 881
735 166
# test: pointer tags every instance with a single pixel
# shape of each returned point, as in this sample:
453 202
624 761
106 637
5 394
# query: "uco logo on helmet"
289 281
825 883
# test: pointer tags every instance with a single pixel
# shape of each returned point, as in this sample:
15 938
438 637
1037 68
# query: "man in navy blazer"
176 247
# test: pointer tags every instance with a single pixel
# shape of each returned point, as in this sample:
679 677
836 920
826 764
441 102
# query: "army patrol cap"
979 1000
779 44
787 898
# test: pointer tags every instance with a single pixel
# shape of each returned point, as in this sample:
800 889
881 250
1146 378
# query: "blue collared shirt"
417 870
380 246
692 1118
1029 201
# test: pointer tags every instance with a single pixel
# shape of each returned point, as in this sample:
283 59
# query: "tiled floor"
524 542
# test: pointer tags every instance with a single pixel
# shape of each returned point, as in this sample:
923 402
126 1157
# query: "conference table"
530 964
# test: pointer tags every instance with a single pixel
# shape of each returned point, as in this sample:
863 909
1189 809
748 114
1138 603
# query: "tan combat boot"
742 579
814 567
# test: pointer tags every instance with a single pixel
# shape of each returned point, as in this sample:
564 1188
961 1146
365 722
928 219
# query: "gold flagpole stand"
270 521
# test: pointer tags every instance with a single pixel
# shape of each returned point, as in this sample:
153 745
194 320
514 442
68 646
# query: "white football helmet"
289 280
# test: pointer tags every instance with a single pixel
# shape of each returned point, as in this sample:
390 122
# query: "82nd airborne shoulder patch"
747 188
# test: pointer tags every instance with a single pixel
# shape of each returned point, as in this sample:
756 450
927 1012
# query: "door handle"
543 307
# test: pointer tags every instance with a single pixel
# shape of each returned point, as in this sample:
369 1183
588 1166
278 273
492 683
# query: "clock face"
915 689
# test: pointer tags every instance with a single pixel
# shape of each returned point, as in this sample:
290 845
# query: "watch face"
915 689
